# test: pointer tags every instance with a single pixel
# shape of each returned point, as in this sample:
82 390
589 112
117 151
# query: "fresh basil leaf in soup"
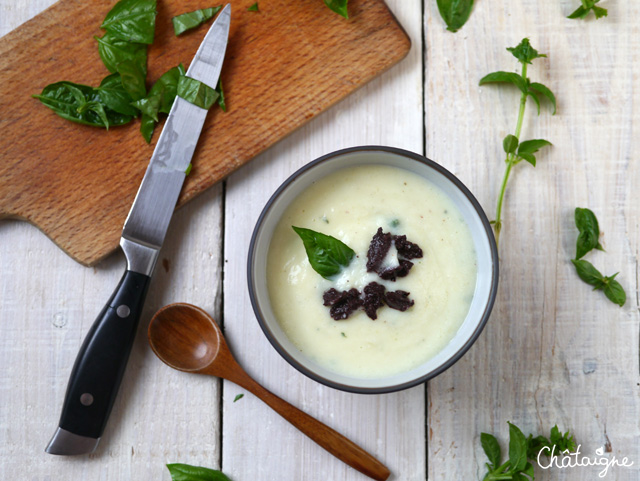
190 20
253 8
491 448
147 125
524 52
589 235
517 448
455 13
115 97
614 291
505 77
196 92
132 20
186 472
113 51
338 6
327 255
79 103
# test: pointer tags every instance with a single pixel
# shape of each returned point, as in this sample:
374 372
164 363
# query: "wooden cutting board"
285 64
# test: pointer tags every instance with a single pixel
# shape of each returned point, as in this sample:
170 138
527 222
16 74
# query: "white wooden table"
552 352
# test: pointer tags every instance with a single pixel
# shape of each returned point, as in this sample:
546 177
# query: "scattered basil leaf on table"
238 397
186 472
589 6
455 13
114 96
81 104
113 51
517 151
132 21
338 6
589 235
253 8
190 20
196 92
133 78
327 255
521 450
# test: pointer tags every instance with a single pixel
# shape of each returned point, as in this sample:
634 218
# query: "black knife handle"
100 364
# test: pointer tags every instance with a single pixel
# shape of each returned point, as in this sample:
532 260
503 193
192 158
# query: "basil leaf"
491 448
133 78
562 442
510 143
517 448
132 20
528 157
114 96
149 106
535 98
190 20
615 292
78 103
535 445
338 6
588 273
538 87
589 235
113 51
186 472
599 12
455 13
147 124
238 397
253 8
221 101
587 6
532 146
580 12
196 92
327 255
508 77
524 52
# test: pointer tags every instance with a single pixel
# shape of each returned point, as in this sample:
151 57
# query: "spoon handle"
331 440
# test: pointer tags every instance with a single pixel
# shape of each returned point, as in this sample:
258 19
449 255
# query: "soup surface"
350 205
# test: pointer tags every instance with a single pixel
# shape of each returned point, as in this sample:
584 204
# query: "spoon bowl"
186 338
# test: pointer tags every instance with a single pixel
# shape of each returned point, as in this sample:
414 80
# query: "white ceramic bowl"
481 232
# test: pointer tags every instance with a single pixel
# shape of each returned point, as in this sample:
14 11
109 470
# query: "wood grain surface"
284 65
552 352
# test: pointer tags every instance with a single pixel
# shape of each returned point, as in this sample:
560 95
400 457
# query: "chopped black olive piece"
373 299
342 303
407 249
391 273
398 300
378 248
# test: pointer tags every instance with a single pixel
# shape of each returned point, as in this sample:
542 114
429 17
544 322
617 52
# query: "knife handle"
101 362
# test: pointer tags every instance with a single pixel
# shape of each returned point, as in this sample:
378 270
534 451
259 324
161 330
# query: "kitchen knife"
98 369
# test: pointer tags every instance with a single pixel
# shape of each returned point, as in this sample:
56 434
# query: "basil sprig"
186 472
589 6
588 239
517 151
327 255
455 13
191 20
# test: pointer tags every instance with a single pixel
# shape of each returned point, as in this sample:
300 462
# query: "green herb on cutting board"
338 6
186 472
522 450
327 255
253 8
589 239
517 151
455 13
190 20
589 6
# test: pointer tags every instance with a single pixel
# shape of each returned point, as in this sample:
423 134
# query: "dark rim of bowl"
414 382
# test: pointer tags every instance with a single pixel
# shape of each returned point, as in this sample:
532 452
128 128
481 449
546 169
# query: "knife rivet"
86 399
123 311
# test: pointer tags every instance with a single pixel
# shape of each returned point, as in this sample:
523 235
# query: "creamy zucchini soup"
405 291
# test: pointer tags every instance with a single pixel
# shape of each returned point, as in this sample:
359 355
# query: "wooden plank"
392 426
284 65
553 351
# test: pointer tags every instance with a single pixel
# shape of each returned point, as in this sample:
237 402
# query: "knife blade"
101 361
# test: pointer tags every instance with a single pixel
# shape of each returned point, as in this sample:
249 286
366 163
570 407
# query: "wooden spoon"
186 338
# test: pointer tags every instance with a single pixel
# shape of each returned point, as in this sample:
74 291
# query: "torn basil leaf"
114 51
221 101
190 20
133 78
338 6
253 8
327 255
132 21
114 96
196 92
81 104
147 125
